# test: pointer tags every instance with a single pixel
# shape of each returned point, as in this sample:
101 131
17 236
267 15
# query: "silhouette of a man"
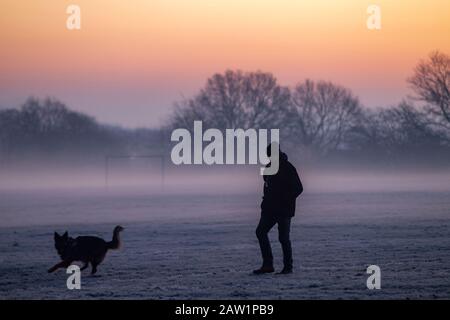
278 207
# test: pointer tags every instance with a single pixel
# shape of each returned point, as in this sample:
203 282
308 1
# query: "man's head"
273 145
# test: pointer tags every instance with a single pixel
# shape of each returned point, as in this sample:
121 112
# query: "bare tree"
431 84
47 125
324 114
396 133
236 99
9 133
48 128
404 128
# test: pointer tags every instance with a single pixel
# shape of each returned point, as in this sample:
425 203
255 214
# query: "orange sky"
132 59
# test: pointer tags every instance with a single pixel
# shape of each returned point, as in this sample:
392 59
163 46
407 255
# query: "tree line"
48 129
323 120
318 120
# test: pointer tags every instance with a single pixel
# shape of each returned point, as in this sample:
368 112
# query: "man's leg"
284 226
265 224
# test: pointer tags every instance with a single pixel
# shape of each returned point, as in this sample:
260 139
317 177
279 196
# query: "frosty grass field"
204 246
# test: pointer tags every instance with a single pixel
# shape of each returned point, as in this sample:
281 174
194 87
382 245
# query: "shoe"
263 270
285 271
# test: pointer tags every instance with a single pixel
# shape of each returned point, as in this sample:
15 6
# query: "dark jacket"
281 190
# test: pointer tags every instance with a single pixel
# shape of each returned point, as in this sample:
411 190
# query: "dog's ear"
65 235
56 235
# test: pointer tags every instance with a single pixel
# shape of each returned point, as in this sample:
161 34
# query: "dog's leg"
85 265
96 261
55 267
94 268
62 264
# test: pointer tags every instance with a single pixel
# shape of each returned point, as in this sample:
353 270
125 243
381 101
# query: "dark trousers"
284 225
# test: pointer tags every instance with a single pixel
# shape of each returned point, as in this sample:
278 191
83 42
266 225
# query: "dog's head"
62 243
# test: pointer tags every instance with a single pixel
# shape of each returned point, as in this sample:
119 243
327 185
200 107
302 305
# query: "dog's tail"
116 242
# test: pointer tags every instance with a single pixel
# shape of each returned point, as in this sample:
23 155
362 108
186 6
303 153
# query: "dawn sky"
132 59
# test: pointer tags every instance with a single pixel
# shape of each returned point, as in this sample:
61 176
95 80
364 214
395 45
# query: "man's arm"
296 184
